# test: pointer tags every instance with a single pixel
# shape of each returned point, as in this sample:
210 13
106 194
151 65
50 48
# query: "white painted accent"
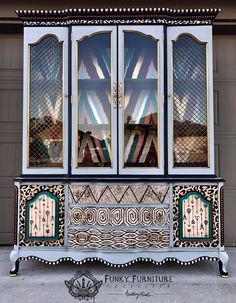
157 33
32 35
78 32
17 184
220 186
204 34
224 258
117 257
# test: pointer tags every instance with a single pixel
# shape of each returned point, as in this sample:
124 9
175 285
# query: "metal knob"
120 95
114 95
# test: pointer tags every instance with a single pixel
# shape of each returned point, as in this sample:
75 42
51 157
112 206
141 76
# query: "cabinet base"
119 259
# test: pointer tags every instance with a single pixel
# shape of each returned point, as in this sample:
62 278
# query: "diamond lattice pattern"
190 103
46 104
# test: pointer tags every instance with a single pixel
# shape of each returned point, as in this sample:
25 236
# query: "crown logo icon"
83 285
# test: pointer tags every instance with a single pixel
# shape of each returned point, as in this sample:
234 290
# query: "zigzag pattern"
121 194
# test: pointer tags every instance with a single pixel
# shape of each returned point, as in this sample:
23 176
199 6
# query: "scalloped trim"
97 16
213 259
120 10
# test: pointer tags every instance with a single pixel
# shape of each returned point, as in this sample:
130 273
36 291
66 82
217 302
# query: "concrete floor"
37 282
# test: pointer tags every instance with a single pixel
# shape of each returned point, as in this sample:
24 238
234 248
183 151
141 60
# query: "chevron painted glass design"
140 100
190 102
46 103
94 98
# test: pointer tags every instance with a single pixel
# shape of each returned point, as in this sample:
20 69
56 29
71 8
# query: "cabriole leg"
224 258
15 268
14 258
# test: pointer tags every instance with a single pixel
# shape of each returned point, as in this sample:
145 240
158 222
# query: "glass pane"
140 101
190 103
94 108
46 104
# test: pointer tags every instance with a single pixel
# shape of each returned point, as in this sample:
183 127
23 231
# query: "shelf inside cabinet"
90 84
139 84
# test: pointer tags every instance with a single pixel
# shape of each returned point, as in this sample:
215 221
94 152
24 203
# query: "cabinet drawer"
118 238
118 216
118 194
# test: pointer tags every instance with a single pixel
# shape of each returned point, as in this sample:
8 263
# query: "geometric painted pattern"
48 209
119 216
118 239
141 101
195 217
94 106
189 230
46 103
190 102
118 194
41 215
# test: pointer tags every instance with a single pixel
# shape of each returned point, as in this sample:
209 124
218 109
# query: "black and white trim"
98 16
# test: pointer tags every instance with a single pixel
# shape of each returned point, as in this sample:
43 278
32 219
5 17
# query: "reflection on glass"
45 104
190 103
140 101
94 109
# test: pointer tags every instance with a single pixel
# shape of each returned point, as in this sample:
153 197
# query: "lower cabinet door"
41 215
196 215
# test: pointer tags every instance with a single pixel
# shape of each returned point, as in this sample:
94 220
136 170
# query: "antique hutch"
118 139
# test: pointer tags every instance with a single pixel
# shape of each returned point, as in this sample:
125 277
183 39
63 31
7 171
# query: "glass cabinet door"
94 100
190 101
45 106
140 99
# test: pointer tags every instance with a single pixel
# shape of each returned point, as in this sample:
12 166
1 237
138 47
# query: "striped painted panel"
94 101
141 100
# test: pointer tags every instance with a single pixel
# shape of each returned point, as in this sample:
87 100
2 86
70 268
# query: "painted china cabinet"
118 139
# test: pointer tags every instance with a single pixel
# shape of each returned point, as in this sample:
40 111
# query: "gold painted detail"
118 239
122 216
121 194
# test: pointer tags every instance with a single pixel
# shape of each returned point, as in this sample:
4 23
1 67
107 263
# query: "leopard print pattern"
209 193
27 193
